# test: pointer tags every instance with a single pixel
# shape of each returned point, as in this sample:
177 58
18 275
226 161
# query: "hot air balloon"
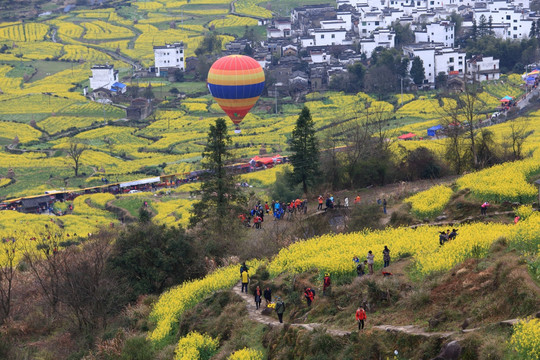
236 82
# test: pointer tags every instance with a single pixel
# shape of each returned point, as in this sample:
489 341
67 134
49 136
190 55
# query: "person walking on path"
361 268
309 294
258 294
245 281
361 317
357 200
386 256
243 267
483 208
267 295
326 284
280 309
346 202
384 206
320 202
370 261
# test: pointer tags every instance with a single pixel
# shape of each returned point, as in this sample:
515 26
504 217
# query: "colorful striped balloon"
236 82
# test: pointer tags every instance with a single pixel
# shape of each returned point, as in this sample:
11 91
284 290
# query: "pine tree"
305 148
220 198
417 71
482 27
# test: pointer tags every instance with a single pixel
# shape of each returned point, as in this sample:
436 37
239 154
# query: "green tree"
482 26
148 93
404 33
150 258
211 44
221 200
417 70
532 33
305 148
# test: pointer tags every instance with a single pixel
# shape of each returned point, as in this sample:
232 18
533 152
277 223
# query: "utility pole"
401 78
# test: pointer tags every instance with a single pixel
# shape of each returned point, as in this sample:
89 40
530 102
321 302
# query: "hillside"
104 272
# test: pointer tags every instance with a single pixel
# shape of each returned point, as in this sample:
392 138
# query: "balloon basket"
237 130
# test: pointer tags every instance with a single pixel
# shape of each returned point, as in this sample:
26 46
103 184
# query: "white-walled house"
441 32
480 68
329 37
319 57
436 59
515 23
169 56
384 38
347 17
307 41
280 28
103 76
449 61
426 53
334 24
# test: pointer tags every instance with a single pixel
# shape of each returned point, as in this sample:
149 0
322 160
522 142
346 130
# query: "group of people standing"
370 261
447 236
278 209
330 203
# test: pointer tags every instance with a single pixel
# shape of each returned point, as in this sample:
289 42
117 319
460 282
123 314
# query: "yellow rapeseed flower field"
525 340
430 203
246 354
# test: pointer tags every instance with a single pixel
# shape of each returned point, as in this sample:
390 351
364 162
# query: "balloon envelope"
236 82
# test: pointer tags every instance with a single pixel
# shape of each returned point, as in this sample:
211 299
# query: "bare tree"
44 265
7 275
460 119
366 136
75 151
518 135
85 286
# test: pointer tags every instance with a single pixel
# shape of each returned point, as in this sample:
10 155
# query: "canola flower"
196 346
524 211
525 340
430 203
504 182
333 253
173 303
246 354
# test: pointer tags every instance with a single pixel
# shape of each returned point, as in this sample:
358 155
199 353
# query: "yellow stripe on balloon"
236 71
234 80
237 102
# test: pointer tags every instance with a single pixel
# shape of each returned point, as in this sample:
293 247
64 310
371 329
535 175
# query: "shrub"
195 346
137 348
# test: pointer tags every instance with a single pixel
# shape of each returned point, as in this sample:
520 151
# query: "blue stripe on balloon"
236 91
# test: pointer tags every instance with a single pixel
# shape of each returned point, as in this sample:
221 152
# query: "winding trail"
257 316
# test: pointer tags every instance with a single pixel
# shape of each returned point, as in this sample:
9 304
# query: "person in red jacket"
360 317
326 284
309 294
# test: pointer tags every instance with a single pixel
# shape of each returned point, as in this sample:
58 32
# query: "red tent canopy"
265 160
406 136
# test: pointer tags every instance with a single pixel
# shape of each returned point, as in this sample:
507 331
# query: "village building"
440 32
105 77
480 68
169 58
